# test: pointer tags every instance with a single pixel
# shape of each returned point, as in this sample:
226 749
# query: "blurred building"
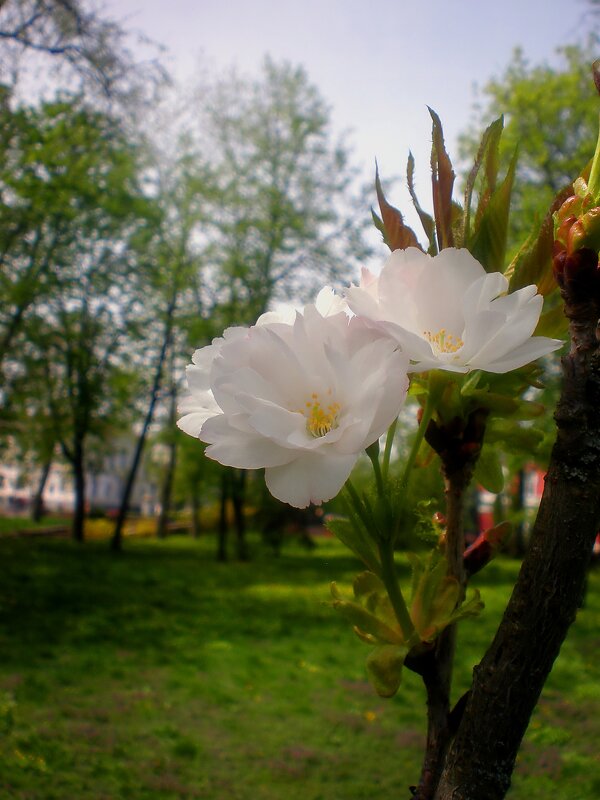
104 486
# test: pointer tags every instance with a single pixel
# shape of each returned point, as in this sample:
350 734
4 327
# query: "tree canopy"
551 120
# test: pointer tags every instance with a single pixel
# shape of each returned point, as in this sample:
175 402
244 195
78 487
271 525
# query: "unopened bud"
585 233
577 274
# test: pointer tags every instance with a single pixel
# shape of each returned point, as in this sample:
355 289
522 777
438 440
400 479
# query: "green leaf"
512 437
471 607
351 533
384 668
367 622
553 323
488 243
488 150
426 219
488 470
367 583
493 401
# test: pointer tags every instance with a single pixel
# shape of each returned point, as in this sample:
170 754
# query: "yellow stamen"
443 342
319 419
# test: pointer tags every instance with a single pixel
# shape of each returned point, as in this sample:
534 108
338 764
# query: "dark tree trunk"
79 484
238 498
167 487
37 505
223 521
116 542
510 678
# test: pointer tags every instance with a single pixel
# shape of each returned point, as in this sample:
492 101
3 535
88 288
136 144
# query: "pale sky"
378 64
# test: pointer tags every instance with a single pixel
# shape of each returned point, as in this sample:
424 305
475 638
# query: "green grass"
162 674
12 525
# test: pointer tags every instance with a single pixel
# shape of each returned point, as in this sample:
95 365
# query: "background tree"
551 117
286 216
84 48
182 190
78 190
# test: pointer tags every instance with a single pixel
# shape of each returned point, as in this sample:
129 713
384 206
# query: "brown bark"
459 445
510 678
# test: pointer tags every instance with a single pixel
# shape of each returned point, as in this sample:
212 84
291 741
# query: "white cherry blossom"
302 400
447 313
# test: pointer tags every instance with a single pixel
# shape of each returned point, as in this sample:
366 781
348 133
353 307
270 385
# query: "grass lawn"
162 674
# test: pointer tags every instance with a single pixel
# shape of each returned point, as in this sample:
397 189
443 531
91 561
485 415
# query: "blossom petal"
447 313
235 448
310 478
527 352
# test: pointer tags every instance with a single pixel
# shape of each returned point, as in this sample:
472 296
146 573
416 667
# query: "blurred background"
168 170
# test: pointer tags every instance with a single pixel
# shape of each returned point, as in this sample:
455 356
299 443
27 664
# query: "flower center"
443 342
320 419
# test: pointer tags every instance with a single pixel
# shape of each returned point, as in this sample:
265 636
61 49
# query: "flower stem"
389 441
432 398
373 453
390 579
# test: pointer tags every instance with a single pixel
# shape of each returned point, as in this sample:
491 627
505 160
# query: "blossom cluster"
302 394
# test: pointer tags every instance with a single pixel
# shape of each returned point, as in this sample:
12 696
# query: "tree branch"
510 678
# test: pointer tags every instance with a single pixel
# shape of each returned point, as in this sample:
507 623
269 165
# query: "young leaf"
384 667
488 471
397 236
442 179
426 219
488 147
347 532
488 244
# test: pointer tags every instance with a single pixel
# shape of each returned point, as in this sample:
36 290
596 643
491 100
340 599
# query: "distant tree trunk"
167 487
79 484
195 512
223 522
37 505
518 545
116 542
238 498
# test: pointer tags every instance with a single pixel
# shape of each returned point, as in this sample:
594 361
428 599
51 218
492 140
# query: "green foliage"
435 603
551 116
286 221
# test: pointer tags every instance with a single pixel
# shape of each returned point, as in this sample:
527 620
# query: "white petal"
310 478
192 423
234 448
529 351
328 303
